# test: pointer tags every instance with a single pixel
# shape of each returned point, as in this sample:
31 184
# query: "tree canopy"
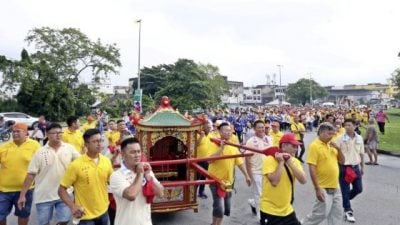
189 85
48 80
299 92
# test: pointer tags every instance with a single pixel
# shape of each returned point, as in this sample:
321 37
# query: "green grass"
391 140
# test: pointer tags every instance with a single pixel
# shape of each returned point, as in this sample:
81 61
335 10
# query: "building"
103 86
234 97
121 89
252 96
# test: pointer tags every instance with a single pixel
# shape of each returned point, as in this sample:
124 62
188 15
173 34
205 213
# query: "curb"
384 152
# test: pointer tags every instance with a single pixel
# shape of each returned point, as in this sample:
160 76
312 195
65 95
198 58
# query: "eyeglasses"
56 133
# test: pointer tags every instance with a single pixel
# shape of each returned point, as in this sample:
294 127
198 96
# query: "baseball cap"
20 126
289 138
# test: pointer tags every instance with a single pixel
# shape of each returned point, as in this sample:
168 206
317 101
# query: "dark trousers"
347 193
302 151
240 136
381 126
204 165
101 220
218 210
267 219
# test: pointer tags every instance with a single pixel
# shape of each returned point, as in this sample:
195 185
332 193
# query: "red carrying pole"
190 160
187 183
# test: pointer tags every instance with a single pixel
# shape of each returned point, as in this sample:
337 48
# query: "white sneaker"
252 204
349 217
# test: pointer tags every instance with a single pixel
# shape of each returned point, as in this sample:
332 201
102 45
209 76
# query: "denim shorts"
10 199
45 210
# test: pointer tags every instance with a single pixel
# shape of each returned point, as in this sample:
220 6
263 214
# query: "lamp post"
280 83
310 89
137 98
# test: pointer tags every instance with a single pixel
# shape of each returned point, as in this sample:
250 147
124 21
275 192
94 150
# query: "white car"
21 118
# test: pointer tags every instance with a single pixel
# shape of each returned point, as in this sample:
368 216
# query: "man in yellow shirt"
202 151
279 176
323 159
113 135
298 129
15 156
224 170
90 124
276 134
89 176
72 135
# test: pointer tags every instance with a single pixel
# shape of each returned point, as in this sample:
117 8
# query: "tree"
299 92
49 78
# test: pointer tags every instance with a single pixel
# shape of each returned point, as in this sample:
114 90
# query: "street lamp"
310 89
280 83
138 69
137 98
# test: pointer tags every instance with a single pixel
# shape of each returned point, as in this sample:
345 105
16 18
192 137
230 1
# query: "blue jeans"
45 212
347 193
10 199
101 220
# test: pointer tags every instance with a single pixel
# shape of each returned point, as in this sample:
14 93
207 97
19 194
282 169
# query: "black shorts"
268 219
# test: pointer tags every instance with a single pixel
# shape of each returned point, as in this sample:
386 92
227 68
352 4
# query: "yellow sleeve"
70 176
293 127
238 160
269 165
298 165
312 156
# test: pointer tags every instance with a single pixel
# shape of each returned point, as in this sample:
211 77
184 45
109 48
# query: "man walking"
254 163
323 159
298 129
46 169
128 182
72 135
278 184
15 156
224 170
352 146
89 175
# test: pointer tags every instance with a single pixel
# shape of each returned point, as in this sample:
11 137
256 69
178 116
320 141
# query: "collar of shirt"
358 138
125 169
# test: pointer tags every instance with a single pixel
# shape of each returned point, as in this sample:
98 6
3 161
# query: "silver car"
19 117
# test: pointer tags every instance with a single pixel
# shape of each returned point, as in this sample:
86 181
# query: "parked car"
19 117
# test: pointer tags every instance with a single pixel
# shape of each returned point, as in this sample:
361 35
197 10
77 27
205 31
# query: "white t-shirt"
256 161
137 211
49 166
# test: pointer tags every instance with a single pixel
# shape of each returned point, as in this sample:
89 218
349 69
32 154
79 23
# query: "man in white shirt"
46 168
254 163
127 185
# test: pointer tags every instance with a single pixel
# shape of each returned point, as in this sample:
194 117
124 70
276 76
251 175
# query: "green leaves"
299 92
189 85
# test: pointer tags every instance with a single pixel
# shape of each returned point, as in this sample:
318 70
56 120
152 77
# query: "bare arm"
248 168
318 191
248 181
130 193
340 155
275 177
298 174
30 177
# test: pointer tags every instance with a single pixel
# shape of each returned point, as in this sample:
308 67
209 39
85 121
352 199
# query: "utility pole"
280 83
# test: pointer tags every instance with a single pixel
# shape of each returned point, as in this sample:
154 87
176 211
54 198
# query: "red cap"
289 138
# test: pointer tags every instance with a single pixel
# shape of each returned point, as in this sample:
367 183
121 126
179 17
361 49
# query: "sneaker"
348 216
252 204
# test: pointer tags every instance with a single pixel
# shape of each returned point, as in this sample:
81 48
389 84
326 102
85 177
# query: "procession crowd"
69 173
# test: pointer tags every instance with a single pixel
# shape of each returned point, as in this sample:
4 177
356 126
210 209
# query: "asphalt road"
378 204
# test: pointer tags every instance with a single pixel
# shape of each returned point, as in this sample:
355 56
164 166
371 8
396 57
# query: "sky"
336 42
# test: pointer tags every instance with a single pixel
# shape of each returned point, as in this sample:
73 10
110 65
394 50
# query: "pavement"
378 204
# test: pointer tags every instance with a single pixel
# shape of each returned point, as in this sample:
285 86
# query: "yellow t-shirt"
338 134
86 126
215 134
276 200
297 127
224 168
75 139
324 157
14 162
90 184
113 136
276 137
202 148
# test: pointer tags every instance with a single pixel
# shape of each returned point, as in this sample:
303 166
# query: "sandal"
376 164
368 163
